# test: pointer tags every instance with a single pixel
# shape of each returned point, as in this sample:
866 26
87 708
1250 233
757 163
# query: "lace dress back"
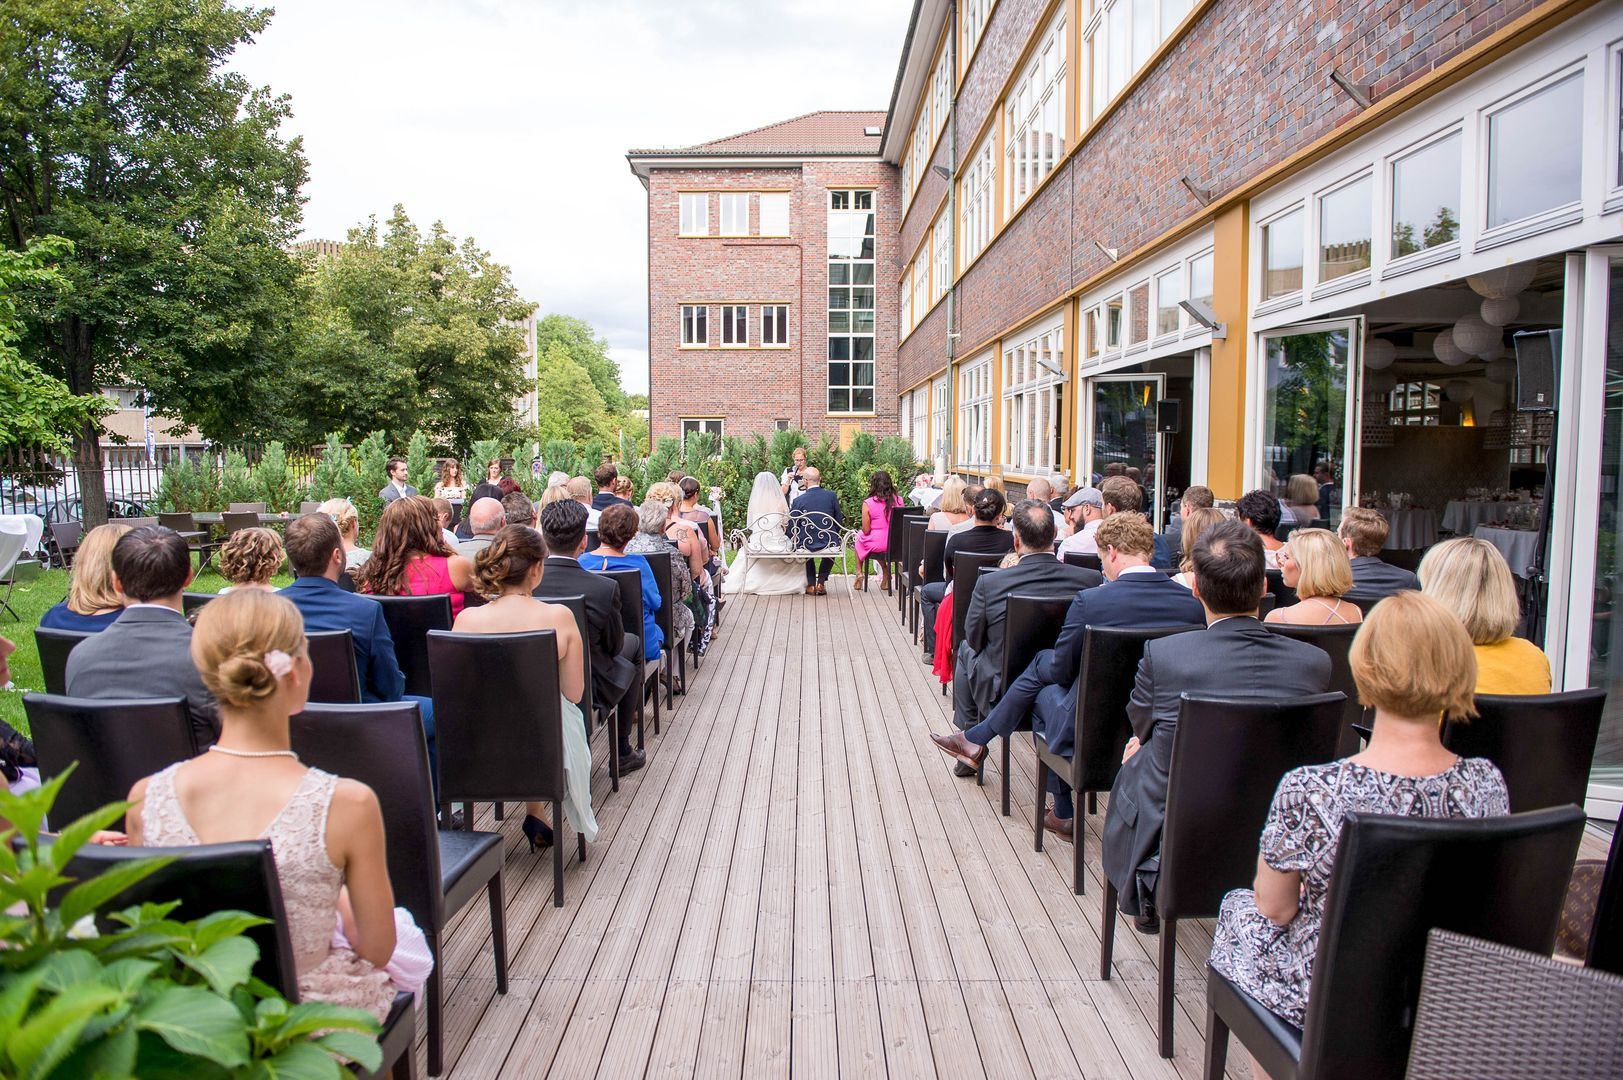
309 880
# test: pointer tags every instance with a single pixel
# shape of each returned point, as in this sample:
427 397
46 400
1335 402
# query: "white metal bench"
762 539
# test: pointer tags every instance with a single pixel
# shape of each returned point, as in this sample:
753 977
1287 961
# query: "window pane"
1168 291
839 322
862 350
735 214
1118 47
862 374
1304 412
1172 13
839 400
1535 152
1426 197
1139 298
863 298
839 374
695 213
862 400
1282 255
775 214
840 273
861 274
1200 278
862 322
839 298
1143 31
839 348
1113 324
864 201
1344 230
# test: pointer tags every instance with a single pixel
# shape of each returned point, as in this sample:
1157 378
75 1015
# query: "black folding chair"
1544 744
1084 560
1336 643
913 529
967 568
934 560
54 646
675 652
1031 625
192 602
116 742
410 618
630 583
334 678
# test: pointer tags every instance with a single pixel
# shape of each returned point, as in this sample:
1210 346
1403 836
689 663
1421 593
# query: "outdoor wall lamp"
1202 313
1109 252
941 171
1359 94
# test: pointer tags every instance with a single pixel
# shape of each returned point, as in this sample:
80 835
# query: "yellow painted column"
1225 432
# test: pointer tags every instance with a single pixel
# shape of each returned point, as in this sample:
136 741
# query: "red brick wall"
753 388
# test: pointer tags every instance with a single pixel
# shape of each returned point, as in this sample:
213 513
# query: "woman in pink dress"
409 556
874 539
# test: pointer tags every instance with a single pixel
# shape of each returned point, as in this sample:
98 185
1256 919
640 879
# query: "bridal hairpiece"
279 662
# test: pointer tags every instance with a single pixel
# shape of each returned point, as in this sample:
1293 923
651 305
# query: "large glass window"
695 213
1535 152
941 276
708 425
921 426
921 284
1033 375
735 213
975 211
1282 242
940 408
695 318
1415 403
775 324
1345 221
775 213
734 325
1034 118
1200 278
1426 197
850 302
1119 40
940 95
1168 291
975 412
1304 410
973 16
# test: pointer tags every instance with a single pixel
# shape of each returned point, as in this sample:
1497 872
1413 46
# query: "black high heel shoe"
537 832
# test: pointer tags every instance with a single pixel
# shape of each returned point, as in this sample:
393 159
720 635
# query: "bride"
768 522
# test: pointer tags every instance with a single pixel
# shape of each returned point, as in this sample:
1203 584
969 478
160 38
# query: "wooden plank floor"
796 884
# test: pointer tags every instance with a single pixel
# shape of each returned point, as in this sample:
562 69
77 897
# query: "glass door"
1125 433
1309 407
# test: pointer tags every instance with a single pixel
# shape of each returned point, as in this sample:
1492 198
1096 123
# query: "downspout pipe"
952 230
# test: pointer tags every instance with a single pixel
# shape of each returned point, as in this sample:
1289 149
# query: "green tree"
406 332
36 409
122 130
586 348
422 470
568 405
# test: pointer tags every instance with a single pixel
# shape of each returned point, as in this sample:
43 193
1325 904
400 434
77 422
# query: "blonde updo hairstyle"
251 556
232 637
664 492
343 514
510 555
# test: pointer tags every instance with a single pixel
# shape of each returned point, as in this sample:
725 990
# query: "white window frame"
1034 118
940 95
694 322
1553 215
774 199
1385 200
1311 268
920 434
1180 260
775 317
973 16
941 269
977 202
702 425
1098 48
1294 296
687 201
1033 395
940 411
853 200
734 218
921 282
974 449
735 323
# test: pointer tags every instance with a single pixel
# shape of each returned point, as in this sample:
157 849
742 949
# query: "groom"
815 524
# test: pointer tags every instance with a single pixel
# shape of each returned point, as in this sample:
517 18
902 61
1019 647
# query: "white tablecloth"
1518 546
1462 516
1410 529
32 528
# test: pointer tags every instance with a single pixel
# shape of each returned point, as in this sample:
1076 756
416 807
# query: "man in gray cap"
1084 510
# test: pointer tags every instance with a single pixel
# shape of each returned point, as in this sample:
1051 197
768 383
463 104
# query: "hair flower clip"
279 662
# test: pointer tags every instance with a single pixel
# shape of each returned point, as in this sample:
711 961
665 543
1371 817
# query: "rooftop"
828 133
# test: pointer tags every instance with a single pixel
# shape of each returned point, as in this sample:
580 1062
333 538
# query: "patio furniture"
410 619
1336 643
115 741
1543 744
1031 624
54 647
65 538
630 584
334 677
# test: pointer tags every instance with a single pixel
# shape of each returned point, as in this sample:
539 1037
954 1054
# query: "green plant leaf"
353 1046
26 812
194 1021
128 974
308 1017
87 896
225 964
38 1045
15 1000
220 925
157 1060
301 1061
68 968
111 1055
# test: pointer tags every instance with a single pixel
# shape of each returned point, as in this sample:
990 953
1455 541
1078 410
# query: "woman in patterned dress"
1414 664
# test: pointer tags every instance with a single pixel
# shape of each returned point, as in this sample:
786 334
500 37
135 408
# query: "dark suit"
977 680
391 492
1373 578
147 653
814 524
1234 657
605 499
616 655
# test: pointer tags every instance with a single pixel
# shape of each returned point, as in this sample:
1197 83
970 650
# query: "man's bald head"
487 517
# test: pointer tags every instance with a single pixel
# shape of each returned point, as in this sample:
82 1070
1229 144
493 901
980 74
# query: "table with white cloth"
1462 516
1410 530
32 526
1518 546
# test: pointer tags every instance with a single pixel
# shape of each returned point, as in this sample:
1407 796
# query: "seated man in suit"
1233 657
1364 532
1136 595
616 654
1124 495
815 524
148 651
316 556
977 679
984 535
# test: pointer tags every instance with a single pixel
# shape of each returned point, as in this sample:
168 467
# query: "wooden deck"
797 883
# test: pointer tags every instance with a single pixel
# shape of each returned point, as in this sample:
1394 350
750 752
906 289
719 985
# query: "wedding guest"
1084 511
482 490
580 489
615 528
93 603
1302 498
1314 563
343 514
451 487
623 489
952 508
873 541
249 558
1195 525
1363 532
1469 577
485 517
442 514
494 473
607 478
1194 497
1260 510
653 517
326 833
410 558
690 510
518 508
1413 664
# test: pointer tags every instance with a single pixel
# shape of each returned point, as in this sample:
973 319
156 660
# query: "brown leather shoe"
822 590
960 748
1058 827
811 590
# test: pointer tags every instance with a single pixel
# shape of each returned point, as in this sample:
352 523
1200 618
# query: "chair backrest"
1283 594
1606 933
134 522
1227 757
1110 657
577 607
1544 745
1087 562
334 677
967 568
630 585
192 602
1265 605
933 554
1031 625
912 543
54 646
1336 643
1396 878
665 614
498 718
180 521
308 506
591 539
894 523
67 535
382 746
1283 530
410 619
116 742
246 508
1485 1006
1365 603
237 520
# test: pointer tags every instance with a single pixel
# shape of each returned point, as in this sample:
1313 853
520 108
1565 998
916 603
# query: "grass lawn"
31 599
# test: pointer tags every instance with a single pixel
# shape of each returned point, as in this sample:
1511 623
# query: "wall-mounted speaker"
1538 355
1169 416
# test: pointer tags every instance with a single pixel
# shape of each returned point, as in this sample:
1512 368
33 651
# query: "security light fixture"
1046 361
1109 252
941 171
1202 313
1203 195
1359 94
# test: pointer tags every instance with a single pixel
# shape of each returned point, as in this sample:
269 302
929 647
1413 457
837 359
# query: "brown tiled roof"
828 133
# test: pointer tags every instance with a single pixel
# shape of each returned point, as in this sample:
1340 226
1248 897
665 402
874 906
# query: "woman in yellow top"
1470 577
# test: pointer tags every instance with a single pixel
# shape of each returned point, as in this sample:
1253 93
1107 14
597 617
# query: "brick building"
766 253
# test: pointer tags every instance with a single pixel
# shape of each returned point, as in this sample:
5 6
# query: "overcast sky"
509 120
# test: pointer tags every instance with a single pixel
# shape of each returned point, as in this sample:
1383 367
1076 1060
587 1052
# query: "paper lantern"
1501 311
1474 336
1502 372
1458 390
1501 283
1381 382
1447 352
1379 353
1493 352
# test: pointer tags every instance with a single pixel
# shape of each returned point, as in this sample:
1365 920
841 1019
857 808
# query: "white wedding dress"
768 518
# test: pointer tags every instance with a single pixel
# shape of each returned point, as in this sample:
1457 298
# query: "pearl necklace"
254 753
